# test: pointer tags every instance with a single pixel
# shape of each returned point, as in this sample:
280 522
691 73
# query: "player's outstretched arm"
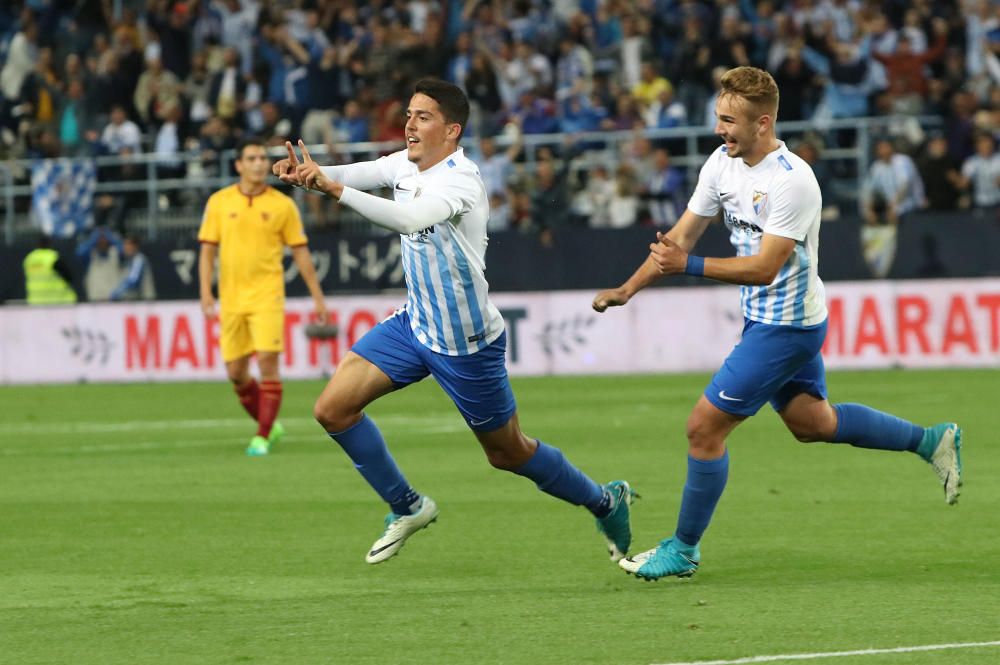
685 234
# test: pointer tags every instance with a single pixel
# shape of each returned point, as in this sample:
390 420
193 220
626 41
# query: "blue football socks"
865 427
553 474
705 481
364 444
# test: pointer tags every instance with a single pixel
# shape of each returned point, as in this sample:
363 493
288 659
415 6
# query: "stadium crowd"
189 77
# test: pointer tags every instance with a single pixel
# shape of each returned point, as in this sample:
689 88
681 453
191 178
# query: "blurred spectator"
21 56
590 204
197 88
809 151
352 127
942 180
157 91
893 187
794 79
137 282
550 198
981 173
650 84
227 88
623 208
906 67
495 167
665 112
168 144
121 136
101 258
77 121
47 278
574 69
664 191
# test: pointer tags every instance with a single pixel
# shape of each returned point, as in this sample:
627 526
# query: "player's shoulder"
279 197
794 170
222 195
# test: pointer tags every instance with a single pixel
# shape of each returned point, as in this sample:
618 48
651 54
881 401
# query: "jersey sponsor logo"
734 221
759 201
723 395
422 235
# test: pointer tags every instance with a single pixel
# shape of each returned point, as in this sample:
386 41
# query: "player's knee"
501 459
805 434
331 416
702 438
512 454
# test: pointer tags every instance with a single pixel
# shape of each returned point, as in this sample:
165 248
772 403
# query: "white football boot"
400 527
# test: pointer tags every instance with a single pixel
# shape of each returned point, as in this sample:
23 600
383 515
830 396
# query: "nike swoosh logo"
481 422
384 547
723 395
403 189
723 195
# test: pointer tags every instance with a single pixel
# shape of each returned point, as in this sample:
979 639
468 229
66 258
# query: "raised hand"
309 172
668 256
284 169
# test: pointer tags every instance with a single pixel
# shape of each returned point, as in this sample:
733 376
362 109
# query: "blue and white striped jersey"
445 262
779 196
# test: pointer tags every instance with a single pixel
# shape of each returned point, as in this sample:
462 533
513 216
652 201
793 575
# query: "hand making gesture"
284 169
309 172
667 255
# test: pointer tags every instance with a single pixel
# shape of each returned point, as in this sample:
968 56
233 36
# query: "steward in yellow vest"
47 280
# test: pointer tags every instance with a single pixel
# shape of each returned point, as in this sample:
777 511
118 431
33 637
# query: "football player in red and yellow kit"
247 226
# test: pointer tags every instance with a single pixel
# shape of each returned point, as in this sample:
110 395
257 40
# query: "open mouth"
412 140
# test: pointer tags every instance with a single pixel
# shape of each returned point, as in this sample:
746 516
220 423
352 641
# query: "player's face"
254 165
429 137
737 125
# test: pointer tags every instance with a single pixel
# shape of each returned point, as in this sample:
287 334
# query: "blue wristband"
695 266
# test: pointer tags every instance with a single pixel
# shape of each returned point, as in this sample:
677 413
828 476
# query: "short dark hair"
247 142
452 100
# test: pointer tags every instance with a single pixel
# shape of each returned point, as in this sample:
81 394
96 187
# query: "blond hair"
755 86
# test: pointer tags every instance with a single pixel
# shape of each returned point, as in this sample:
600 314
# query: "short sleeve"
705 201
292 233
209 231
795 207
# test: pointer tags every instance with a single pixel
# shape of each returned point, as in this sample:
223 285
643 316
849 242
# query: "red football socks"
269 403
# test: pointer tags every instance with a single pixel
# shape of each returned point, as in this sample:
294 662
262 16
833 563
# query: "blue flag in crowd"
62 195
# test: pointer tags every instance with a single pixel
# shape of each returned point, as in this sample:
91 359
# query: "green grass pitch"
133 529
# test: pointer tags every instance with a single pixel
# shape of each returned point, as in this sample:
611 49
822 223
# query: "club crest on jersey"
759 202
265 216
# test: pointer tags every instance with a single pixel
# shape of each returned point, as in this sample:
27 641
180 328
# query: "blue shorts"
771 363
477 382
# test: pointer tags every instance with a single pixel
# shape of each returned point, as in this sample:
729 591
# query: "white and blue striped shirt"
780 196
441 214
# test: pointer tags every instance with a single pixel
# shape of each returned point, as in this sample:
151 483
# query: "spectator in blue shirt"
137 284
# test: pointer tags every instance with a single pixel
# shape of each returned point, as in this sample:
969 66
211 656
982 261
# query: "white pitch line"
840 654
91 427
114 447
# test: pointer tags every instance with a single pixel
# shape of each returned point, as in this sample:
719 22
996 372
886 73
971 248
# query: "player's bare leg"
509 449
340 410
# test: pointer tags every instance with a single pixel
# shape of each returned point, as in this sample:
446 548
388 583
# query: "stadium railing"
848 149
